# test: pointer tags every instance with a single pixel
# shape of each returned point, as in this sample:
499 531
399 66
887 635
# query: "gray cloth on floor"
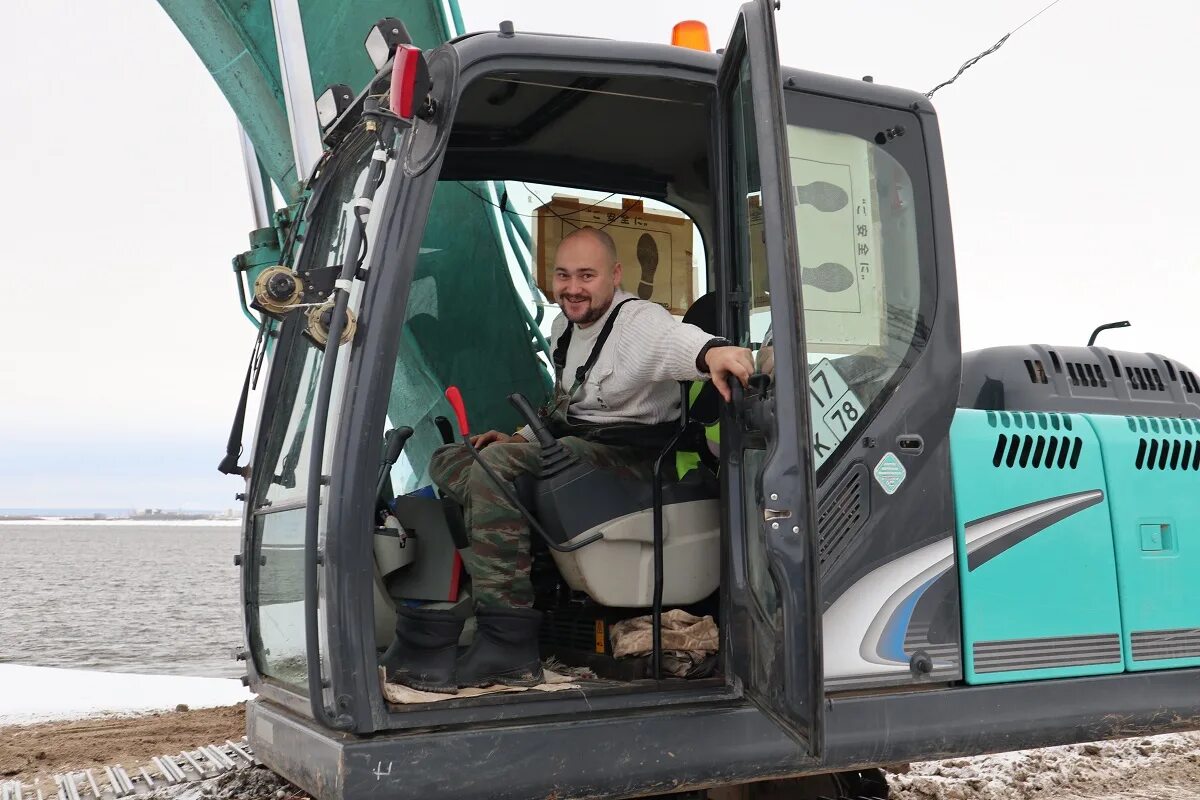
687 640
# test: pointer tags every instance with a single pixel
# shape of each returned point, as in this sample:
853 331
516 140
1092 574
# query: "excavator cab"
550 149
874 600
524 137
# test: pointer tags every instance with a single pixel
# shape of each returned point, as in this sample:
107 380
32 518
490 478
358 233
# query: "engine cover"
1078 380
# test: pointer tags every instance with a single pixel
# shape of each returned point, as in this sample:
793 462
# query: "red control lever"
460 410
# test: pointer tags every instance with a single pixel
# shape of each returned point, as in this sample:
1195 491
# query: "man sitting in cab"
617 362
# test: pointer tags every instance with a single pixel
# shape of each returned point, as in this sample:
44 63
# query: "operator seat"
618 569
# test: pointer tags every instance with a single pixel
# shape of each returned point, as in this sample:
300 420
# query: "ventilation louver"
1145 379
1083 373
1167 454
1175 453
1046 450
1051 452
841 515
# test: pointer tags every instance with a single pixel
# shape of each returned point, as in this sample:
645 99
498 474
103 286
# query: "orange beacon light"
691 33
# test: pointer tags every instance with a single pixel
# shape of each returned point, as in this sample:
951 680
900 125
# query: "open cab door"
775 633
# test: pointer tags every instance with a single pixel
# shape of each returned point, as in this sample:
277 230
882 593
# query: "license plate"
835 409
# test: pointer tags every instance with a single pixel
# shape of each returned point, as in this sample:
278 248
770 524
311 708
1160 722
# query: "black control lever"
445 429
456 402
394 441
540 431
555 457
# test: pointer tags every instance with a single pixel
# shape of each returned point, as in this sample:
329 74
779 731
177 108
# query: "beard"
591 313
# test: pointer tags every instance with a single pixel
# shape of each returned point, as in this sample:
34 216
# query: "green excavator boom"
236 41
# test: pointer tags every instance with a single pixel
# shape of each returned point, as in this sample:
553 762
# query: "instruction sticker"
890 473
835 409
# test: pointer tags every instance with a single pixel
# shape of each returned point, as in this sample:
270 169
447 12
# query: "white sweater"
635 377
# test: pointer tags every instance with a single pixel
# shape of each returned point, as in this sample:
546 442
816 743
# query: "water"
146 597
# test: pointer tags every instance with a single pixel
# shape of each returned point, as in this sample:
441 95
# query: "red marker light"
410 81
460 409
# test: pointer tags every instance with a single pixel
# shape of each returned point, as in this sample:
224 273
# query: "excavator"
901 551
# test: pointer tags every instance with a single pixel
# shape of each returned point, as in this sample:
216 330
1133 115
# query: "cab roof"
476 50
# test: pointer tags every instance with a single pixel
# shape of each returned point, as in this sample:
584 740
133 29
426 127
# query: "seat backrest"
703 314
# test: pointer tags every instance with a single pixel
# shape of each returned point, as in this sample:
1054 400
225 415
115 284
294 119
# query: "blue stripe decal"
891 642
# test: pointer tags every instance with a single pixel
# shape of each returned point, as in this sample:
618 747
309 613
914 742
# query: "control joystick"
555 458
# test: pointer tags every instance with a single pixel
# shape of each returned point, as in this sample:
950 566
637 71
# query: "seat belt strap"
559 356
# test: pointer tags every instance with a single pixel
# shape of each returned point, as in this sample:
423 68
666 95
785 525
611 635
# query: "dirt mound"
1156 767
29 751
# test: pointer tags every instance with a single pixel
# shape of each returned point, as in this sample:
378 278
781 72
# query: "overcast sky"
1068 151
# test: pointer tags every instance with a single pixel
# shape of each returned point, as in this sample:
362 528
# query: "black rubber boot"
505 649
423 652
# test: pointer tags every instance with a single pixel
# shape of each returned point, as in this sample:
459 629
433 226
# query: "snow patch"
39 694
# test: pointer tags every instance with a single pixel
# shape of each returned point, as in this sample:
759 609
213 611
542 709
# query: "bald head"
586 274
596 235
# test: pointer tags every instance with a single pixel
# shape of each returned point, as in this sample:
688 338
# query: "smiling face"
586 275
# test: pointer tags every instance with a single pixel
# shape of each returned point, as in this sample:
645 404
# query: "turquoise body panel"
1034 548
1153 469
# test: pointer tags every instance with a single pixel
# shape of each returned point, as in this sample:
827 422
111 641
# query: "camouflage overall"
499 557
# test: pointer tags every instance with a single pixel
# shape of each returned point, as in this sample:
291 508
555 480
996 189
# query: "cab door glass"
285 478
866 313
275 587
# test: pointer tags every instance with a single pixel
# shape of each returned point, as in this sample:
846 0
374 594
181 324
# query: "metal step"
112 782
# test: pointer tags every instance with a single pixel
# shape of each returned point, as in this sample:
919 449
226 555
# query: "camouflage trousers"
499 556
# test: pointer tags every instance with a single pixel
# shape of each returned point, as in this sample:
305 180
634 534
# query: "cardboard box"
654 248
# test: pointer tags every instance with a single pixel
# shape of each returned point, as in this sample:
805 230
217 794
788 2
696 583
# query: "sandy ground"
30 751
1149 768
